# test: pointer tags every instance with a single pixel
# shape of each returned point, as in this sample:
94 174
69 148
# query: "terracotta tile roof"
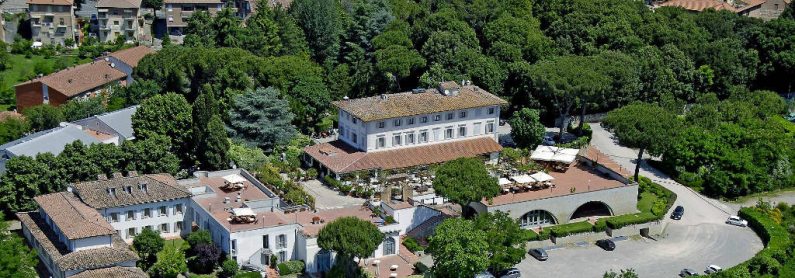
398 205
131 56
51 2
409 103
73 218
66 260
79 79
341 158
113 272
126 4
700 5
581 178
743 5
159 187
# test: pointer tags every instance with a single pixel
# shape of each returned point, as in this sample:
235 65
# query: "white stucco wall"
371 130
249 243
171 218
90 243
410 218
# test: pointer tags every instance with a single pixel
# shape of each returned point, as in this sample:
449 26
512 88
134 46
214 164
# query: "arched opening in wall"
537 218
468 212
389 246
590 209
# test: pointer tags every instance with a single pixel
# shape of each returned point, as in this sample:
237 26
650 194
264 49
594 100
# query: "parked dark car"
606 244
687 273
539 254
509 273
678 212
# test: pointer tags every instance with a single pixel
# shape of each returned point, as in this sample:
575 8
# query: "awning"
554 154
234 178
523 179
504 181
243 212
542 177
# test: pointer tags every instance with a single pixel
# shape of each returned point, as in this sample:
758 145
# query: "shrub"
389 219
600 225
618 222
412 245
229 268
420 267
539 236
571 228
776 240
331 182
199 237
291 267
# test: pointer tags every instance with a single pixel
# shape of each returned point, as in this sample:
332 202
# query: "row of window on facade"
281 243
424 119
146 213
412 137
163 228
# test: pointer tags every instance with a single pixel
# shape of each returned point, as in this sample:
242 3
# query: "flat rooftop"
221 212
305 218
581 178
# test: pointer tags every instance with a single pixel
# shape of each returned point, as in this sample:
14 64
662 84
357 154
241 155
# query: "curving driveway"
701 238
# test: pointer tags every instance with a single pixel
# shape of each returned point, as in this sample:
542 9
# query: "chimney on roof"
102 177
345 98
69 81
117 175
132 174
107 76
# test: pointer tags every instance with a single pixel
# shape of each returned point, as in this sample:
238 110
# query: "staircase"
427 227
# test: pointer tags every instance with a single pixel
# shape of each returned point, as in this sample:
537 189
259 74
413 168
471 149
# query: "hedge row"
618 222
571 228
768 261
291 267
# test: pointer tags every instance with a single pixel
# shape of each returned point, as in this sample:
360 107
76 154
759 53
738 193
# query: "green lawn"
646 201
178 242
23 69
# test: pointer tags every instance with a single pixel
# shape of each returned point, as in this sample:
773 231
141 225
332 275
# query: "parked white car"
713 269
737 221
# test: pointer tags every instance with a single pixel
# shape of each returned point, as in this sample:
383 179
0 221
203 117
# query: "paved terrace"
312 229
214 203
580 177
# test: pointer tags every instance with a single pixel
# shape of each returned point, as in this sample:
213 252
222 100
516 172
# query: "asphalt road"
701 238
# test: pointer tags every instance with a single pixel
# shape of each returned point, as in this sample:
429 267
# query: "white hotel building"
421 127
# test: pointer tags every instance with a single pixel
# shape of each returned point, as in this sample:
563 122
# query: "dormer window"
112 192
143 186
128 189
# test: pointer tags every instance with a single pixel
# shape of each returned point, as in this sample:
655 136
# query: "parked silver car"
713 269
736 221
538 253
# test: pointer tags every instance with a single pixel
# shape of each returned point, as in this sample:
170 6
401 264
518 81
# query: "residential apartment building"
52 21
74 240
119 18
177 12
420 127
134 203
81 81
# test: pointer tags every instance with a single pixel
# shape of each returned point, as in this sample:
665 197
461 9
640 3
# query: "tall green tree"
151 155
147 244
465 180
170 263
351 238
526 128
12 128
214 149
504 237
322 25
43 117
82 108
458 249
261 118
647 127
21 182
169 115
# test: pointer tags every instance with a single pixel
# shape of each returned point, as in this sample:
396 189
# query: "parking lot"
693 247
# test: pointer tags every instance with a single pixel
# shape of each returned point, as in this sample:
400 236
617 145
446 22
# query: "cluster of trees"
729 148
465 180
43 117
350 238
463 247
27 177
18 260
163 261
